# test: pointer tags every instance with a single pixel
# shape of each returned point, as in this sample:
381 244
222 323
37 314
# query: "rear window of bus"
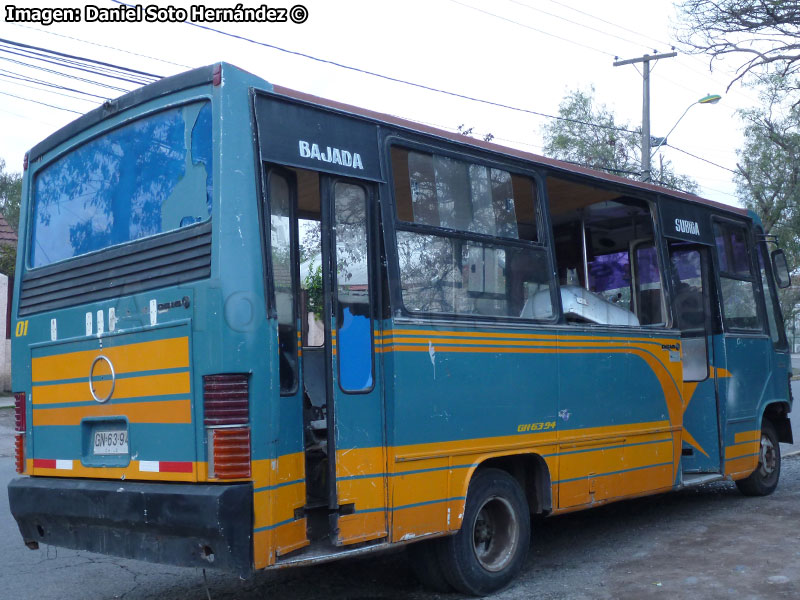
147 177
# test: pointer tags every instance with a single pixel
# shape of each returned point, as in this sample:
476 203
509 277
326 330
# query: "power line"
47 91
69 37
547 33
302 55
395 79
21 77
42 103
562 18
68 64
75 77
705 187
63 63
701 158
649 38
82 59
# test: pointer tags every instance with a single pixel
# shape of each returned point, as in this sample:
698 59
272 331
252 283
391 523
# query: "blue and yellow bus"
255 328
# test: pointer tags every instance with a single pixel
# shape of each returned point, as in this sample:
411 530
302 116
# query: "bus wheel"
424 559
764 479
490 549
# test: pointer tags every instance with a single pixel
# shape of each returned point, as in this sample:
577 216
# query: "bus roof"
204 75
459 138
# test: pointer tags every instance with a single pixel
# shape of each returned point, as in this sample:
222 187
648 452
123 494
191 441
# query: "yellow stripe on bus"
130 387
745 449
747 436
167 411
741 467
143 356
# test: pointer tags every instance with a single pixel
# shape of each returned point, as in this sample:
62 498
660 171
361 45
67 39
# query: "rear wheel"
490 549
424 559
764 479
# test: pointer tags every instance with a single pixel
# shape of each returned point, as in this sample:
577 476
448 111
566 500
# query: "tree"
468 131
8 260
10 195
768 173
589 135
760 32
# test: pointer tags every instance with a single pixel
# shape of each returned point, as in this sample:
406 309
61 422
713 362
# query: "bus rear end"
127 421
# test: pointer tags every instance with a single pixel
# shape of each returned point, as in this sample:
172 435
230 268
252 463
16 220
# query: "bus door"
357 475
690 266
745 358
323 240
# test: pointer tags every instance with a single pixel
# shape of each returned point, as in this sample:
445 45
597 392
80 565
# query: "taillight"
231 452
226 399
226 404
19 431
19 452
19 412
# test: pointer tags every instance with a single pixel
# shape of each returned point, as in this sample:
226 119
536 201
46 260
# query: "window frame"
636 290
761 247
369 215
762 329
124 119
394 223
268 170
653 205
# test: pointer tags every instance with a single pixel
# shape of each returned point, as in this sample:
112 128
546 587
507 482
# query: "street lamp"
708 99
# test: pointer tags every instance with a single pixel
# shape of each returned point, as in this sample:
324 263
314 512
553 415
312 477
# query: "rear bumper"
190 525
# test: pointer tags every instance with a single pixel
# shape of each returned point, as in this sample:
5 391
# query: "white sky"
440 43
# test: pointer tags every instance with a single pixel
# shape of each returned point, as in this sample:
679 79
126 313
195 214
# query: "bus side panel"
745 365
461 394
756 377
620 412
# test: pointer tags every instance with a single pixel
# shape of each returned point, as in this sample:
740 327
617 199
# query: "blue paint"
355 352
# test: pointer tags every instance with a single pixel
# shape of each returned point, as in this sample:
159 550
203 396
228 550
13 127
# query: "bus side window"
468 239
688 280
737 283
606 258
774 319
284 277
688 272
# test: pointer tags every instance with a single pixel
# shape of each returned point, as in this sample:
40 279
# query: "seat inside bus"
606 258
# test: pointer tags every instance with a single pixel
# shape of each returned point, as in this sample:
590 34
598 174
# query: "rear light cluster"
232 452
226 403
226 399
19 431
19 452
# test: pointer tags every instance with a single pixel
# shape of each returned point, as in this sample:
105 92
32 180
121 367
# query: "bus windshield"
147 177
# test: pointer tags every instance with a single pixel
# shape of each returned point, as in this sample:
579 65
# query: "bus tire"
424 560
764 479
490 549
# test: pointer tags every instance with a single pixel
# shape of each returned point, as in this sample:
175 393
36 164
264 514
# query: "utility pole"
645 104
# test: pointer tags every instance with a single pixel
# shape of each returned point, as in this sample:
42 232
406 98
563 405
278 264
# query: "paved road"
704 543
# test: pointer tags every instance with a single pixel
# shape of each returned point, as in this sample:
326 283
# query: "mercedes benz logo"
91 379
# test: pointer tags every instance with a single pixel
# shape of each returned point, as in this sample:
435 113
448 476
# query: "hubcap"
495 534
768 460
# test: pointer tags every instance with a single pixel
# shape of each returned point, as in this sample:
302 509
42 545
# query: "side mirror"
781 269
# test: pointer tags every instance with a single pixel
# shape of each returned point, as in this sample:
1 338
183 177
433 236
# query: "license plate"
111 441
